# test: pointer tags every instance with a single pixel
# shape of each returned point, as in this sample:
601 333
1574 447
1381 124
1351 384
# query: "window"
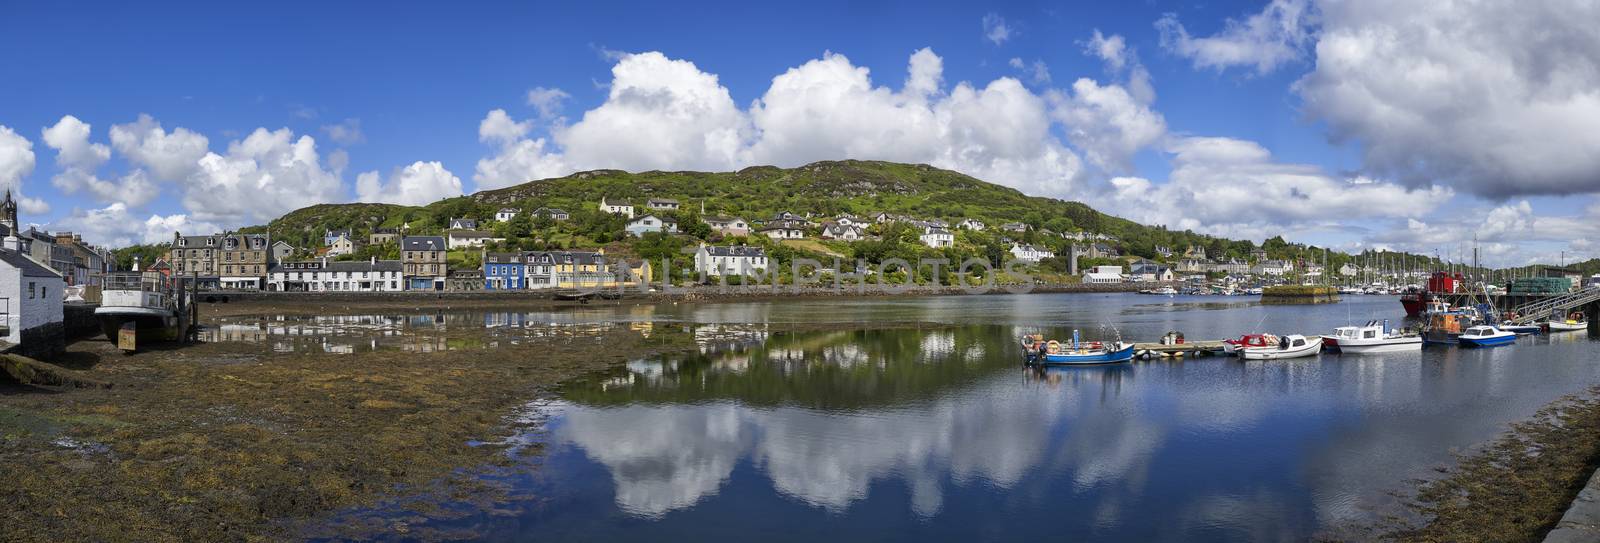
30 290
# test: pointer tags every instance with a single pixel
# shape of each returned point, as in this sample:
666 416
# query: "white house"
620 208
970 224
783 230
370 275
651 223
341 245
850 220
463 224
1029 253
32 313
1014 227
460 239
1273 267
739 260
728 226
662 204
1103 275
937 237
839 231
505 214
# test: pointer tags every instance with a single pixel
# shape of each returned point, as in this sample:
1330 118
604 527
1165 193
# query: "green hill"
822 189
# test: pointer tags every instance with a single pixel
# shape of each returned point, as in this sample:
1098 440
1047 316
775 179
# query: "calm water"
936 432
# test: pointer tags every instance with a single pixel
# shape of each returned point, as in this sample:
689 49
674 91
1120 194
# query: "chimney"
374 260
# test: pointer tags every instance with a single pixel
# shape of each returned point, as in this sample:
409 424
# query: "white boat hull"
1311 348
1563 326
1390 345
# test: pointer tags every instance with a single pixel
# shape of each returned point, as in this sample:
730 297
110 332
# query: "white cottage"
739 260
30 302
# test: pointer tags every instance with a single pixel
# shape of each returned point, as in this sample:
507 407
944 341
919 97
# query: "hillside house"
970 224
616 207
937 237
651 223
783 230
330 235
342 245
662 204
851 220
1029 253
281 250
505 214
727 226
463 224
462 239
380 236
554 214
1014 227
841 232
735 260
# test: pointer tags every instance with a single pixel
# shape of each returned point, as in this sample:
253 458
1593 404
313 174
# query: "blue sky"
419 83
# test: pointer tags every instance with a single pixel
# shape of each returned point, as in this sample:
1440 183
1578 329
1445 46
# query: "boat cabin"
1480 331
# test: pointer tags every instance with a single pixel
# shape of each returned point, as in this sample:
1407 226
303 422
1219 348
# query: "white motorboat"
1165 291
1567 325
1486 336
1290 346
1372 338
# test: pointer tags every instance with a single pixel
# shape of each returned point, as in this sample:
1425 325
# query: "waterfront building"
538 270
322 275
1102 275
581 269
733 260
31 316
1146 271
464 281
1273 267
937 237
194 257
727 226
243 262
1029 253
503 271
423 260
651 223
616 207
662 204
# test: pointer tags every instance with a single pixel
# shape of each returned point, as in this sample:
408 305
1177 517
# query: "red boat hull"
1414 304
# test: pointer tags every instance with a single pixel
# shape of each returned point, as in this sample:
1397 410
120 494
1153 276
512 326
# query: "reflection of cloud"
660 459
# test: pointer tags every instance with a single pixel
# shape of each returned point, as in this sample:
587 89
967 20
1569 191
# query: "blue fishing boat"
1077 352
1486 336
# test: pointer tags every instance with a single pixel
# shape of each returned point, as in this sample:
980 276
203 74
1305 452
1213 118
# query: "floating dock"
1190 349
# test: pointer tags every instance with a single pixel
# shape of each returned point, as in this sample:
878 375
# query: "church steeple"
8 213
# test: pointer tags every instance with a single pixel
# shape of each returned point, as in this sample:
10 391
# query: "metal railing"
1529 312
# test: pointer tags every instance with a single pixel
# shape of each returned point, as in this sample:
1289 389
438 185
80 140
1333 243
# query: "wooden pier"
1187 349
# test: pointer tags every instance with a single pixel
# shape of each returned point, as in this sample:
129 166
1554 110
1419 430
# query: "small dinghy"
1372 338
1290 346
1075 353
1486 336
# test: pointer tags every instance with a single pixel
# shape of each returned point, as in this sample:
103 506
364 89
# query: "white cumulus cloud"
995 29
1266 40
661 114
420 183
547 101
346 132
16 162
171 156
78 160
116 226
264 175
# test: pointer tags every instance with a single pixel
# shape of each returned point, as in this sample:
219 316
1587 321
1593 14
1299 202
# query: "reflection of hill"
838 369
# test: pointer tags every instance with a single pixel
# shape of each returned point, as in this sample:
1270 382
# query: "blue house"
503 271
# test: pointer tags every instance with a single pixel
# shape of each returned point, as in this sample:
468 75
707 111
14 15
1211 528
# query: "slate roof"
740 250
422 243
29 267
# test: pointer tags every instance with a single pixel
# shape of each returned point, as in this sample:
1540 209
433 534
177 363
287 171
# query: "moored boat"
1076 352
1486 336
1290 346
1372 338
138 307
1572 323
1231 347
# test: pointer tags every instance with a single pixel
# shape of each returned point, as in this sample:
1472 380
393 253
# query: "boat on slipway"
1486 336
1076 353
1290 346
141 307
1372 338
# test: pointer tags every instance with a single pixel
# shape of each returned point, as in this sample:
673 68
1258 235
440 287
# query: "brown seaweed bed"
232 442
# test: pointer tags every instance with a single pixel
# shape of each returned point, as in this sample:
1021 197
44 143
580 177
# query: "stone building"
423 258
243 261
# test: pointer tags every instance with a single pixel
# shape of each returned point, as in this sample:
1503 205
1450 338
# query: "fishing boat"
1445 327
1572 323
1486 336
139 307
1372 338
1290 346
1077 352
1415 300
1231 347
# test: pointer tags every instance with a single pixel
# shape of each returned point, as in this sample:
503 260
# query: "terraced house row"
559 269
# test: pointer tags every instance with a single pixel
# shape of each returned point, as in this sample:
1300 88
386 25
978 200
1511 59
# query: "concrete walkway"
1582 520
